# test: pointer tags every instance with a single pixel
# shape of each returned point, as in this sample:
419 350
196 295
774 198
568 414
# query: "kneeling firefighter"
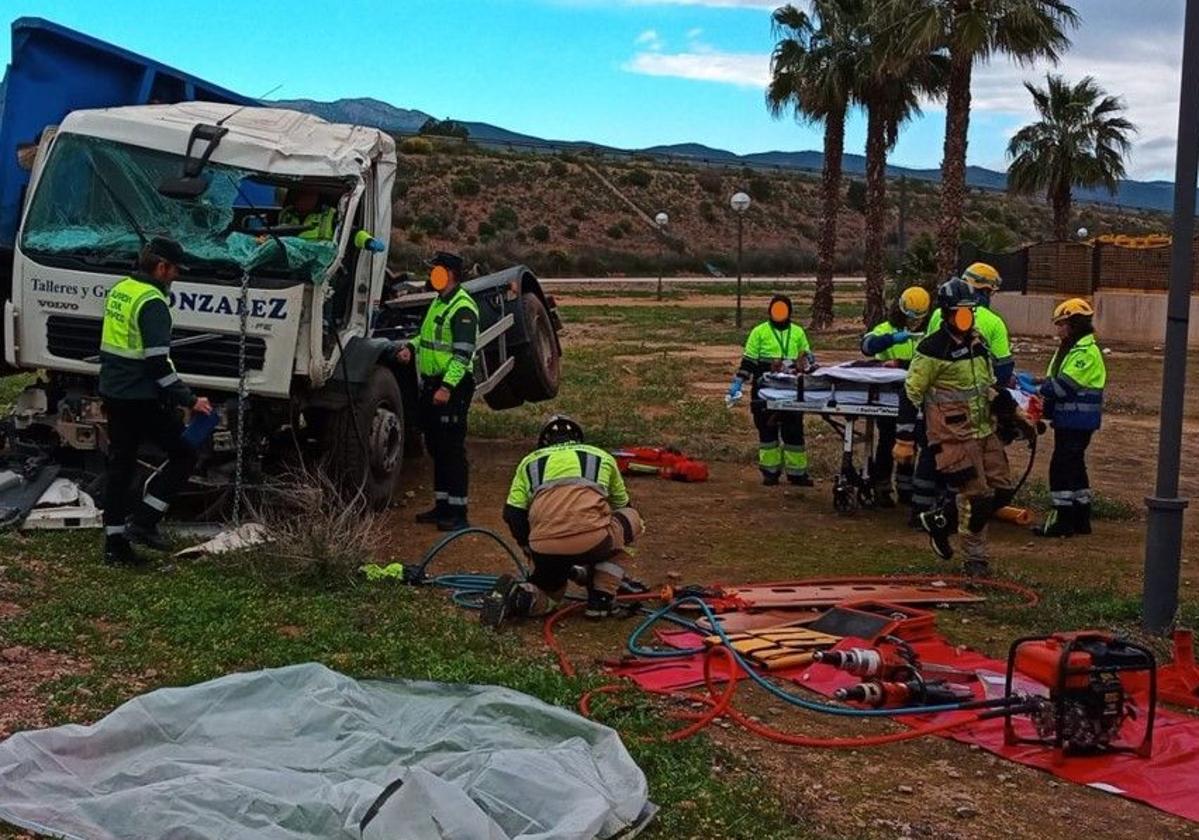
952 377
569 510
776 346
1073 394
892 342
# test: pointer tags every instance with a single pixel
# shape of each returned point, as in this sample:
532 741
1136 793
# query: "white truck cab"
295 311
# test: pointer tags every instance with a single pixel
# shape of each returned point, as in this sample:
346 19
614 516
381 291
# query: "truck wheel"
373 456
503 395
537 366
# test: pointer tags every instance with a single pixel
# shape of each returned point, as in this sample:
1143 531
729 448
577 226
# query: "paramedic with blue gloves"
892 343
142 396
1073 394
776 345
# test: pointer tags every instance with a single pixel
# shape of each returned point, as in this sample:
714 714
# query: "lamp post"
1163 531
1083 233
740 203
661 221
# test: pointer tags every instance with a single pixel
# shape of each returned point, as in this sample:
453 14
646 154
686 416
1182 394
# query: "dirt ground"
731 529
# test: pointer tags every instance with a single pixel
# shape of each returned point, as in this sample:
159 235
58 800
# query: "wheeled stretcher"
842 395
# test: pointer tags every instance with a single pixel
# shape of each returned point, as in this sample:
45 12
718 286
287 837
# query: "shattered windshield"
97 198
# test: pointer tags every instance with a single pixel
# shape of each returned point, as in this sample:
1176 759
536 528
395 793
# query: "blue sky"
629 73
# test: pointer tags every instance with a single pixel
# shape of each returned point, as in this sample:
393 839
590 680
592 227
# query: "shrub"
615 232
570 231
707 211
578 213
559 169
625 225
416 146
637 178
540 233
759 188
710 182
430 223
504 217
486 230
464 186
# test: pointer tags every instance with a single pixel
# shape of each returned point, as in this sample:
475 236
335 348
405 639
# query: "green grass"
143 630
1035 494
11 386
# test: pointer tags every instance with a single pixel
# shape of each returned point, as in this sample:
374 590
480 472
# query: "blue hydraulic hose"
786 697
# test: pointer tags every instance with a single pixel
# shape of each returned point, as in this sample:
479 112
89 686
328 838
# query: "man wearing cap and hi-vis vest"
776 345
142 394
568 508
984 281
304 210
893 342
444 353
1073 393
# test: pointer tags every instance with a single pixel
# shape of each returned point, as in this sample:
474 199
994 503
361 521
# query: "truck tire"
537 367
503 395
373 456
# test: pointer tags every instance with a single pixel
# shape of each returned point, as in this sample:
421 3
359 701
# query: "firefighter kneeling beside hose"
568 508
968 420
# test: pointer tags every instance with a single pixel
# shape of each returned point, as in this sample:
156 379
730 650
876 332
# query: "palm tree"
1080 140
812 71
891 91
970 31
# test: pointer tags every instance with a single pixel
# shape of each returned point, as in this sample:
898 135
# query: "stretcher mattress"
839 385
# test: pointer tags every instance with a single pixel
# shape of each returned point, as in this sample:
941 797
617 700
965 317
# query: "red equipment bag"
660 461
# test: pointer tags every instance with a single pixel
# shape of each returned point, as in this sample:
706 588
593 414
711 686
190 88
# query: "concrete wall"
1132 317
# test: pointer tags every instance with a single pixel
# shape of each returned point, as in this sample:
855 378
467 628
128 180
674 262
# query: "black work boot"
118 552
770 479
1082 518
454 520
1058 523
147 535
604 605
883 498
804 480
936 524
439 511
976 568
507 599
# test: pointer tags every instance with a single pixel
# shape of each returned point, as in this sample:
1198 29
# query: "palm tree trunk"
876 213
953 164
834 147
1061 200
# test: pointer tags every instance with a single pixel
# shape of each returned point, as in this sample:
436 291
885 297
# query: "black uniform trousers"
444 430
1069 483
132 423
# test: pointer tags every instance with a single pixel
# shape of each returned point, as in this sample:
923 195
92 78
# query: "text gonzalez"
274 309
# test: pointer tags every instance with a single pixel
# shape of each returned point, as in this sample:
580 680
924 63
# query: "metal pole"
903 215
740 217
659 265
1163 533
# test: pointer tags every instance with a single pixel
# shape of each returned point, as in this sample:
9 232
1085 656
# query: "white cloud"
742 69
650 40
694 33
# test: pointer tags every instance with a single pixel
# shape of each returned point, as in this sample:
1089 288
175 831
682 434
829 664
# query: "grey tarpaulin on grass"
305 752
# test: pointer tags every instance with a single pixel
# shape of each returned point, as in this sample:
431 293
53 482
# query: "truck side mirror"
185 187
191 185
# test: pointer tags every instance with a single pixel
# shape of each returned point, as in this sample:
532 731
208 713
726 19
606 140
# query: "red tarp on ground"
1169 780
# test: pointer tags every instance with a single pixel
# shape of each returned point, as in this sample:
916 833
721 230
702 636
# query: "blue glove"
1027 383
735 387
901 336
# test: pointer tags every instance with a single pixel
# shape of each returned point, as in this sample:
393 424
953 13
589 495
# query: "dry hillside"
565 215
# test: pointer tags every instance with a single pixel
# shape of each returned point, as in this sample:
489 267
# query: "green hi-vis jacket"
567 463
953 382
901 351
446 346
318 225
135 345
768 347
993 331
1073 388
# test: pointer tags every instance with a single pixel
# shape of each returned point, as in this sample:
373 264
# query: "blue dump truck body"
56 70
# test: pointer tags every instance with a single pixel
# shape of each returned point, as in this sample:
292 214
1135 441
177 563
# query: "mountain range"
1147 195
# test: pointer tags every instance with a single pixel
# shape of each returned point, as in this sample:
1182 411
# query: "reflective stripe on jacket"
446 346
1073 389
567 463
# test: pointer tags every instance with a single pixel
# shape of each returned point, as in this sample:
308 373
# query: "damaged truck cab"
285 220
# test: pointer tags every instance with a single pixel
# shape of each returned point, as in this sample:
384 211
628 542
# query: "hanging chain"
243 308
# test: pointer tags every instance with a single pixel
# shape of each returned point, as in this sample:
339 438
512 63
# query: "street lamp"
1083 232
740 203
661 221
1163 528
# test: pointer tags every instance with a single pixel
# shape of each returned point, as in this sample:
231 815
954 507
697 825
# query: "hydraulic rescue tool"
661 461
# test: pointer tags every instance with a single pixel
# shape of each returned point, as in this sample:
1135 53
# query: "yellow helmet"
981 277
1069 308
915 302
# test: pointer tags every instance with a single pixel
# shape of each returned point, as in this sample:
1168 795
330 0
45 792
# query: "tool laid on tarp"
660 461
1178 680
869 619
801 595
777 647
306 753
1014 515
1092 677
